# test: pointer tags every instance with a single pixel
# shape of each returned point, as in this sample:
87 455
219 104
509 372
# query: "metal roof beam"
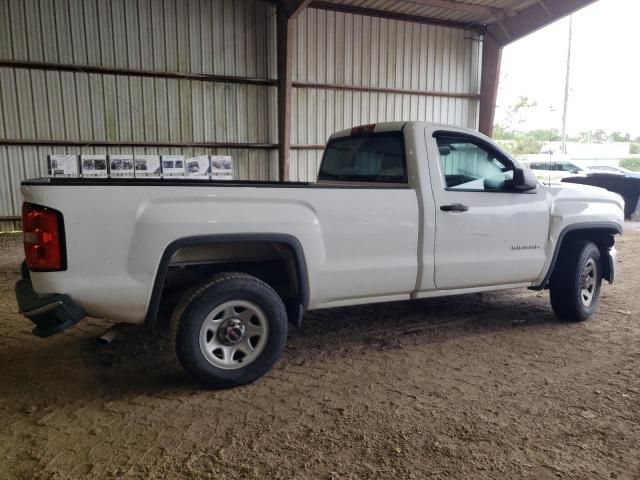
293 7
538 15
463 7
491 59
287 11
404 17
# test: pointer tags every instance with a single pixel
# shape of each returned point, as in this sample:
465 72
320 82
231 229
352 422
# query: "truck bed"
173 182
115 237
187 182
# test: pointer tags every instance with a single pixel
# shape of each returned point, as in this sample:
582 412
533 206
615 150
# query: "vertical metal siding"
18 163
346 49
223 37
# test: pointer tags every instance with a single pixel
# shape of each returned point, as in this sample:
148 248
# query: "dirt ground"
481 386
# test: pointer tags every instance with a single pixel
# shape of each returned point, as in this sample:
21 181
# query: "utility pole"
563 146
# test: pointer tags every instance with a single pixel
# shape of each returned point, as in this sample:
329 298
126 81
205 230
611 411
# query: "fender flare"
302 275
610 227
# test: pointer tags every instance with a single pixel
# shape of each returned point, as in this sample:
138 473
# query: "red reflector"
363 129
43 238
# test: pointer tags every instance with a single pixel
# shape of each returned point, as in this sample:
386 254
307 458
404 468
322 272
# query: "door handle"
454 207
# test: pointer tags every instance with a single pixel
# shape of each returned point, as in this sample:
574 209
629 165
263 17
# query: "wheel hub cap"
234 334
232 331
588 287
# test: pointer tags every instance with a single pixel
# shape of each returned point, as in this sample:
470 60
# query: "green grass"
631 164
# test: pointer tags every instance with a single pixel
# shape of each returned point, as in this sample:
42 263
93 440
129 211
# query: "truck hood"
564 192
583 204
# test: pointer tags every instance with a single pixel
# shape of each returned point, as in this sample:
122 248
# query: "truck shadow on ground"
138 364
395 325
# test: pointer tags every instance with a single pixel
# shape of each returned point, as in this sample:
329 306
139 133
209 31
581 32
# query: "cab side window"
467 165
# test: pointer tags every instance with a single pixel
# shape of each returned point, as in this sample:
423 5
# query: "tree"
515 113
545 135
501 133
509 130
619 137
518 141
527 145
593 136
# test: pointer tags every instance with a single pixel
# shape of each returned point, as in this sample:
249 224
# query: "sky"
605 71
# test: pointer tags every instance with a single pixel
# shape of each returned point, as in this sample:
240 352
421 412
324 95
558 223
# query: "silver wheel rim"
588 282
234 334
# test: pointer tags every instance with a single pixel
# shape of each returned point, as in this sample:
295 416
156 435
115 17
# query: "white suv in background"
551 171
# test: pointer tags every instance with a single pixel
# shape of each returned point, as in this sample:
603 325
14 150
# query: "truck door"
486 234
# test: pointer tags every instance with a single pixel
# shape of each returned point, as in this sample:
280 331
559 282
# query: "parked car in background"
626 185
550 171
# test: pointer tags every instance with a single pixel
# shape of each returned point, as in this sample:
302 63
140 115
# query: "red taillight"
363 130
43 238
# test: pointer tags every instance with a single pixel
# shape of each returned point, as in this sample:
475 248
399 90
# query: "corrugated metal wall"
170 38
218 37
345 49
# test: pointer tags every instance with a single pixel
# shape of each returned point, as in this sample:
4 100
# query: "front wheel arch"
575 285
600 233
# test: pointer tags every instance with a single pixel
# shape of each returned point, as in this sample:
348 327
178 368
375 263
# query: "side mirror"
444 150
524 180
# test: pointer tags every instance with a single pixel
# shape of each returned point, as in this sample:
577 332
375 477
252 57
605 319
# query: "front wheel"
575 284
230 331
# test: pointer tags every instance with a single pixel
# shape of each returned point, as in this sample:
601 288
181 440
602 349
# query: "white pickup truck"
400 211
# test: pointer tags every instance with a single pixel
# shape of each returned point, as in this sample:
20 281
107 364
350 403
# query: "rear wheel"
230 330
575 284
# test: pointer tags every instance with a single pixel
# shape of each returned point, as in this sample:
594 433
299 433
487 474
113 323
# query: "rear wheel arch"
287 246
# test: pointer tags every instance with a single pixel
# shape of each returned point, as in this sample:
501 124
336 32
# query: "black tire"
567 281
197 305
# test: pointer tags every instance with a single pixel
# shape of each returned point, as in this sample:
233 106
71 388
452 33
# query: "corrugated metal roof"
472 12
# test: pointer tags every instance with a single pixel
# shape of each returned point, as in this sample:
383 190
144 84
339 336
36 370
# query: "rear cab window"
365 158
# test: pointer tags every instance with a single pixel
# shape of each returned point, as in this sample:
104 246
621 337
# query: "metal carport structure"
264 81
498 22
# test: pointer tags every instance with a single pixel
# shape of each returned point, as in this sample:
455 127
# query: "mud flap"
295 312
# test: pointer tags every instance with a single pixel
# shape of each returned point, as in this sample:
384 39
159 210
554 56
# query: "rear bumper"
51 314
